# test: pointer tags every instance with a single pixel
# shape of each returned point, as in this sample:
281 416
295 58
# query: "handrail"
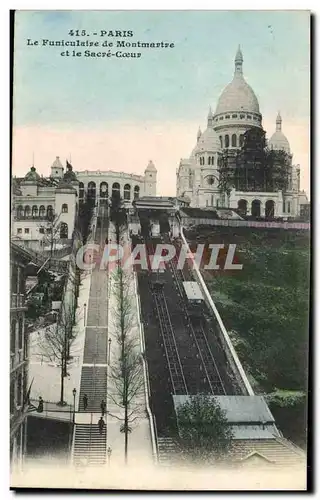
153 430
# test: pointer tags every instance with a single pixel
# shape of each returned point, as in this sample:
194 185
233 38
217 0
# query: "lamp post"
109 451
84 316
109 350
74 392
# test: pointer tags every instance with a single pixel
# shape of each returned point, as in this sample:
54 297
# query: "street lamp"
109 350
74 392
109 451
84 316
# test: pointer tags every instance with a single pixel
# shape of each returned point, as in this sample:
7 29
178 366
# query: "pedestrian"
103 407
85 402
40 405
101 425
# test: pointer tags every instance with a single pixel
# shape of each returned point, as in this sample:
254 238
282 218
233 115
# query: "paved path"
139 445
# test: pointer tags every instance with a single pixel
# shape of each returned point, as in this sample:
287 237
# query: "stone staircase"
89 445
94 385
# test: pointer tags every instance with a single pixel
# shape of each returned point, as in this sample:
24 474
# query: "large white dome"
238 95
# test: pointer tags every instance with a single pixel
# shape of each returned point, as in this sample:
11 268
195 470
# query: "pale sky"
117 114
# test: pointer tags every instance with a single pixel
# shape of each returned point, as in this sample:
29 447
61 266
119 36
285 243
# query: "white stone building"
198 176
101 184
42 205
36 198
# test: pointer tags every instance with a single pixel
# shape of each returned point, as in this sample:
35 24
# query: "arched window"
241 140
136 192
209 160
269 209
127 192
256 208
243 206
81 190
19 211
234 141
42 211
34 211
27 211
50 212
64 208
226 141
92 190
63 230
116 189
221 141
212 160
104 189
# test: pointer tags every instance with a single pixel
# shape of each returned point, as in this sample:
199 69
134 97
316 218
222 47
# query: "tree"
204 432
126 371
117 214
83 219
52 228
56 341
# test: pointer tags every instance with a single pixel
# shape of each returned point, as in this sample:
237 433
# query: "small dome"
193 152
278 140
32 175
57 163
151 167
238 95
209 141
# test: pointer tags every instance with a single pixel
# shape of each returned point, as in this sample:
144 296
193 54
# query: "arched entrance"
269 209
91 191
116 190
127 192
256 208
243 206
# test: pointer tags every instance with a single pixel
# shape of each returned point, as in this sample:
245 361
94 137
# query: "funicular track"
174 363
214 384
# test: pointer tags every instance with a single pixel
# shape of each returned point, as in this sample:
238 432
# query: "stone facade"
19 354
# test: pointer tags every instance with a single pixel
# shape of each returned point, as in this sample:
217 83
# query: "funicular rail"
174 363
200 338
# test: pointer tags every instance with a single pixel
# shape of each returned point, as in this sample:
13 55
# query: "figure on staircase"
101 425
103 407
85 402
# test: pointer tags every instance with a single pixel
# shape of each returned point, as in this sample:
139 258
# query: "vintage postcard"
160 250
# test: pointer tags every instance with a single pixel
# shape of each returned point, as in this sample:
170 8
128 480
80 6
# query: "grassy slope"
265 307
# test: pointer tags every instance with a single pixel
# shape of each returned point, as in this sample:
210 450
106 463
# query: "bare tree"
126 372
56 341
52 227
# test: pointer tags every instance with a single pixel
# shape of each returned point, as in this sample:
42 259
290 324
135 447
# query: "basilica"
236 112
